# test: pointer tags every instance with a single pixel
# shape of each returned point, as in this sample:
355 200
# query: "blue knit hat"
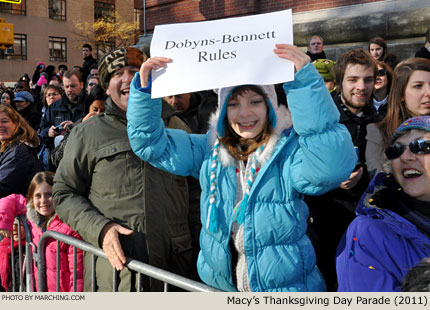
417 122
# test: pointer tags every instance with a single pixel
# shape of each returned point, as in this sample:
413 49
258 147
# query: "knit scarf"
239 210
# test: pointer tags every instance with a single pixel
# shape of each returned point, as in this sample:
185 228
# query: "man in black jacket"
331 213
62 113
316 48
87 52
194 108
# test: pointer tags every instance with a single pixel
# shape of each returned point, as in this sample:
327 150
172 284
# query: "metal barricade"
141 268
25 267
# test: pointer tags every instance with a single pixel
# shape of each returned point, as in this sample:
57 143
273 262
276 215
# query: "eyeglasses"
382 72
52 95
419 147
92 84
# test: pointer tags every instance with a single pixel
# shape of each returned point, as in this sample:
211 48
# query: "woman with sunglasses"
381 89
91 82
409 96
390 235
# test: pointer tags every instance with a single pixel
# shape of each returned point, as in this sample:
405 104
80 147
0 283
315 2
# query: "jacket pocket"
115 159
182 256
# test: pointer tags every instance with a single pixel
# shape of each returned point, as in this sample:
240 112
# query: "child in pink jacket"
41 217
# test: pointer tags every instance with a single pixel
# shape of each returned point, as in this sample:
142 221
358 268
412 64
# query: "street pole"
144 18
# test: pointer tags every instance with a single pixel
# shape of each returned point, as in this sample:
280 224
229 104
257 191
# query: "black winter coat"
59 112
18 165
32 115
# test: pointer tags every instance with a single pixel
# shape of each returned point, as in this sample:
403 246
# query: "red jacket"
15 205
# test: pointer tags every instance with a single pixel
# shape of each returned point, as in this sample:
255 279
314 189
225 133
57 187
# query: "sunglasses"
92 84
382 72
419 147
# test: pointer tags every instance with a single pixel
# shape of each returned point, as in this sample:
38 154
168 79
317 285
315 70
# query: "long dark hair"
386 57
240 148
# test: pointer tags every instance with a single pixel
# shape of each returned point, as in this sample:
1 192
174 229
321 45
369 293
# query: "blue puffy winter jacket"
314 156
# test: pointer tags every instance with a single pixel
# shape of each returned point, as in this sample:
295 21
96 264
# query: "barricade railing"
24 261
168 278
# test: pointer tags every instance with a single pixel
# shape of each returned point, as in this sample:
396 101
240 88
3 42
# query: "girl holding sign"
254 166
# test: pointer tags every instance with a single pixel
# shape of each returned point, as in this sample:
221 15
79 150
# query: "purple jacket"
380 246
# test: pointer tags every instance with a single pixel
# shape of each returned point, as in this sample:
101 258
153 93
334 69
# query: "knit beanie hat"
325 68
417 122
117 59
42 80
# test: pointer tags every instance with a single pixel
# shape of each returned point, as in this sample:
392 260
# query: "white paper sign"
222 53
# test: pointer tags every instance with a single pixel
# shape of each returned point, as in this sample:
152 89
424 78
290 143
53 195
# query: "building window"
12 8
57 49
57 9
137 14
103 48
103 10
19 49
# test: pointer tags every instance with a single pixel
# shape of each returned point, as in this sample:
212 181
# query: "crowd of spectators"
322 183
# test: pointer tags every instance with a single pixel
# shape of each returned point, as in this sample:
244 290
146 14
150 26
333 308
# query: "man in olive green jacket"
115 200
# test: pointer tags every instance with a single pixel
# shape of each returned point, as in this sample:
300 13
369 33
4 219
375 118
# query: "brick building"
44 28
44 31
343 24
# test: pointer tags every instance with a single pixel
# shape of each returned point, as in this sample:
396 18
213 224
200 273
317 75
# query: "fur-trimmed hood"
284 122
35 216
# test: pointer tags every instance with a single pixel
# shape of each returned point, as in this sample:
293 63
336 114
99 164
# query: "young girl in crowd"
41 217
379 50
391 233
254 166
409 96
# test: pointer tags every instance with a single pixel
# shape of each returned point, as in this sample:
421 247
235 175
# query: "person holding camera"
62 113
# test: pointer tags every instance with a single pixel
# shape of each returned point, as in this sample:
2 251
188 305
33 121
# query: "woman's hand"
89 115
293 53
151 64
